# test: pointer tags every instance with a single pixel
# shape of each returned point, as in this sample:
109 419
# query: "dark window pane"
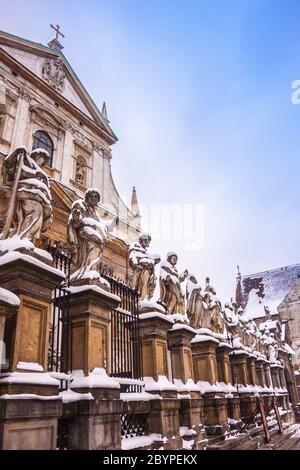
41 140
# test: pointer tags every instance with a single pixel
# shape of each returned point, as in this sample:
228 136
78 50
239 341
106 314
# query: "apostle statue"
29 212
231 320
171 296
142 264
87 236
214 308
196 309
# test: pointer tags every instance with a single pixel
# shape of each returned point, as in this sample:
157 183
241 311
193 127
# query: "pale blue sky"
199 94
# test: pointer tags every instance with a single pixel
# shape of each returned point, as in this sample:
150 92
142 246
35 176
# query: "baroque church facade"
43 104
101 363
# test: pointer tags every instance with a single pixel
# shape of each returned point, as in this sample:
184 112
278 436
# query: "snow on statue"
171 296
87 236
143 263
27 185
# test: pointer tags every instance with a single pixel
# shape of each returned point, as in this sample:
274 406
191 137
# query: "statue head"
145 239
192 278
40 156
92 197
172 258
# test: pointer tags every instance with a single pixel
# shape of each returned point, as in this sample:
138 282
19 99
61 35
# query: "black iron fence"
126 356
125 344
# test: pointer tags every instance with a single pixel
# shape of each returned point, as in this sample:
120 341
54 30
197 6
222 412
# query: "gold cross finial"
57 30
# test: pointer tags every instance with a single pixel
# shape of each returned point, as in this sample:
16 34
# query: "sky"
199 95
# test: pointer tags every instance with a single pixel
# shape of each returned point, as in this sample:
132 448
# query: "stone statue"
246 331
80 175
142 263
198 316
231 320
170 289
214 308
272 349
87 236
29 213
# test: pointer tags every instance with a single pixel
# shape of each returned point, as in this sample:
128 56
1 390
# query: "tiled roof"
267 289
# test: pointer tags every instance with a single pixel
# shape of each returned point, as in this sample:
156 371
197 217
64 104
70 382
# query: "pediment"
51 66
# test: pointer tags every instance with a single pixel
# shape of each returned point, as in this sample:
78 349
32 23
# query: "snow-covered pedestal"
154 328
252 380
238 360
29 410
29 400
97 425
179 339
260 372
225 377
90 308
204 347
191 403
223 361
30 277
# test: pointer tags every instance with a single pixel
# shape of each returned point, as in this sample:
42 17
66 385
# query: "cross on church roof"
57 29
55 44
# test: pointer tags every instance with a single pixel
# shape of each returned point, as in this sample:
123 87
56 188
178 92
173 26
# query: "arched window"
42 140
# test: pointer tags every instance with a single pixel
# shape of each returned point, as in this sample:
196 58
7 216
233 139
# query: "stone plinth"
260 373
251 370
89 310
215 414
29 409
29 424
248 404
97 425
154 328
180 337
223 361
233 408
238 361
191 417
164 419
204 358
26 334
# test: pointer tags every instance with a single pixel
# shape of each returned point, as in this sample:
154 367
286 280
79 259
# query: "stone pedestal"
154 328
224 369
29 422
191 417
204 359
180 337
164 415
247 405
205 369
97 425
164 419
215 414
260 373
89 309
26 334
238 361
233 408
251 370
